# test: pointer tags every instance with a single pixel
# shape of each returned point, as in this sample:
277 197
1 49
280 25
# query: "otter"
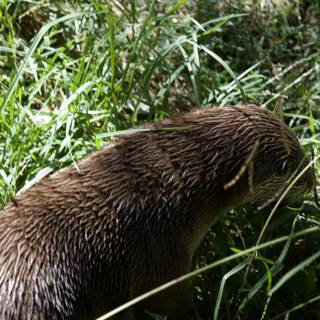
82 242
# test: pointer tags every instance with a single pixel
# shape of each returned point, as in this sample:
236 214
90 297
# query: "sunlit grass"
73 74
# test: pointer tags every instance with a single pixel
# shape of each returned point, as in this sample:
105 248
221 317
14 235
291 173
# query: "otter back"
79 244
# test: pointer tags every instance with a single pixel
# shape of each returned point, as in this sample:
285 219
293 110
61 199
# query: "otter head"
275 177
268 158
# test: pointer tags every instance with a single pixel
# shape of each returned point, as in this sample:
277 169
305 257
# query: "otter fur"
82 242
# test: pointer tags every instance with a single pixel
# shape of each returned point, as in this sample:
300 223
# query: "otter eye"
283 168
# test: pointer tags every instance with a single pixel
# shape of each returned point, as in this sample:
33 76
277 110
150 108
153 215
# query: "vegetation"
74 73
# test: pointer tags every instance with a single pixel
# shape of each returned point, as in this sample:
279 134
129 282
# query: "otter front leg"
174 303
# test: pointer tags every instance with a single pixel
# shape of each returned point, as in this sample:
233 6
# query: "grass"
75 73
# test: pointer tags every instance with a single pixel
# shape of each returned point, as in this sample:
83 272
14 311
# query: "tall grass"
76 72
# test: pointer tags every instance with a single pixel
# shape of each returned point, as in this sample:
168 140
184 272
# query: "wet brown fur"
81 243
